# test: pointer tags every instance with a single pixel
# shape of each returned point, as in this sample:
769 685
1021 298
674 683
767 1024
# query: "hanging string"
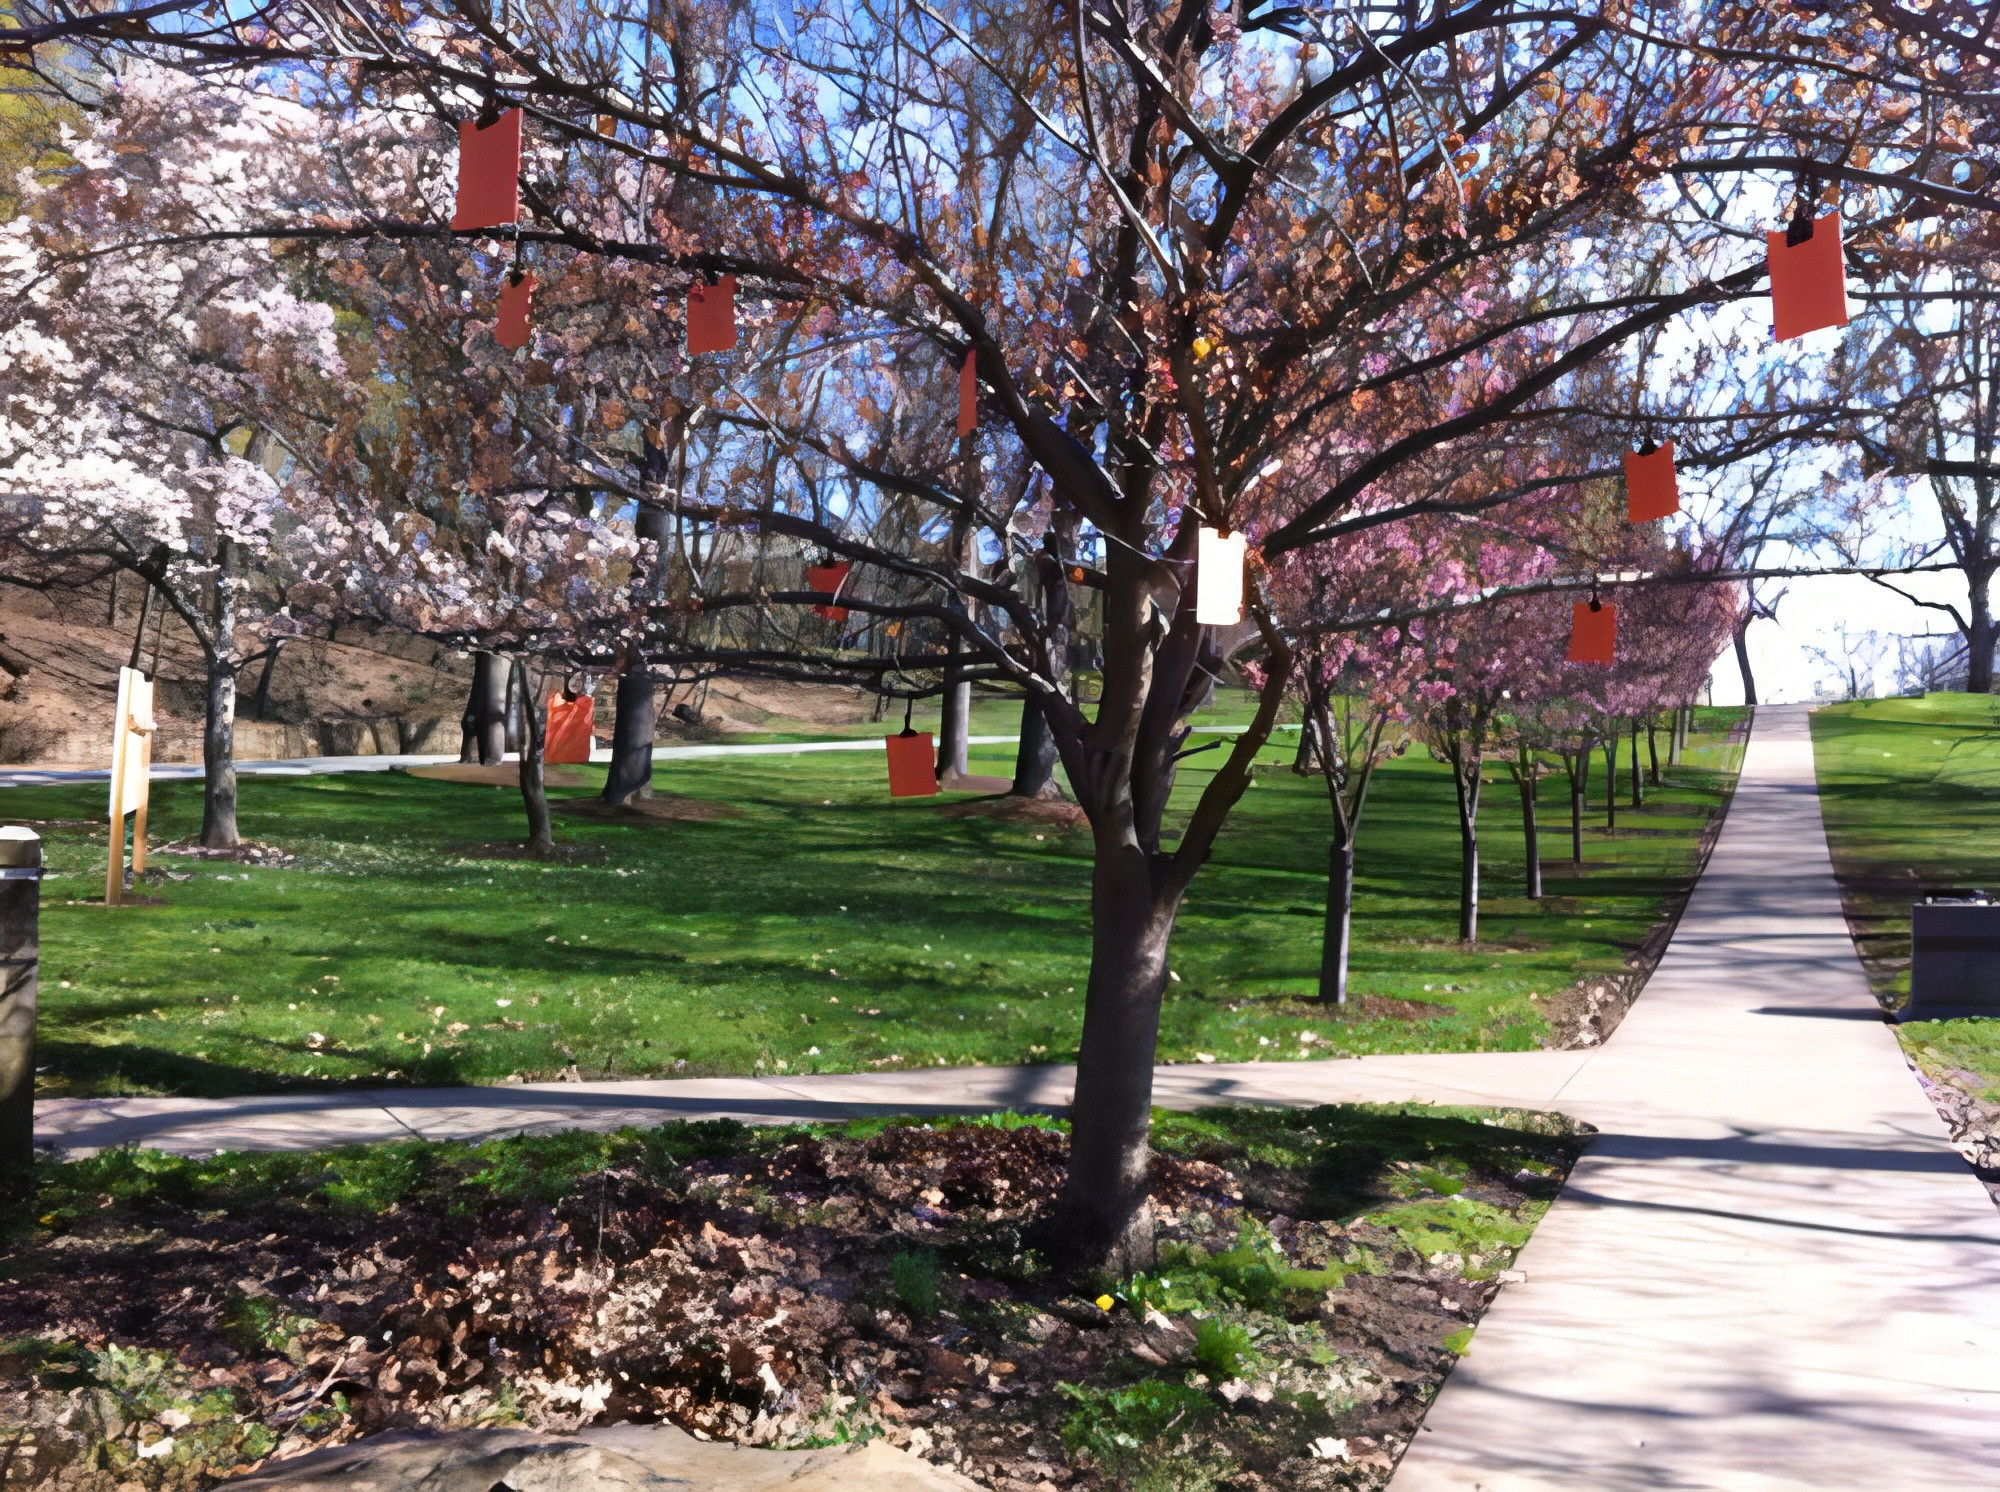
1800 229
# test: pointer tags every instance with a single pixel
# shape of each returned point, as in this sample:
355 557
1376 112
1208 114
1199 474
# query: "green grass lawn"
1910 791
824 928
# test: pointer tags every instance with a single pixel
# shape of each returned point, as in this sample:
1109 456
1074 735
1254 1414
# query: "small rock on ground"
619 1458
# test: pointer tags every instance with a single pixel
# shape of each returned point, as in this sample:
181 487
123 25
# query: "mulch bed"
249 852
1012 809
498 774
779 1290
661 808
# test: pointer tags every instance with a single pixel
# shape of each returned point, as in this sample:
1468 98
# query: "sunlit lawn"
1910 790
825 928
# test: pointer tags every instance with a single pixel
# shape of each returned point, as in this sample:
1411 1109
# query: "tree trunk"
632 730
468 723
1611 778
1035 761
1677 736
1638 789
262 701
1468 849
1108 1222
954 721
20 968
1652 748
1979 636
1306 758
218 757
1337 938
485 712
511 711
1743 662
534 786
1577 821
1531 836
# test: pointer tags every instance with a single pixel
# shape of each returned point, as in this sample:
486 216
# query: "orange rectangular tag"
912 766
711 316
489 173
1808 280
511 330
1593 635
1651 488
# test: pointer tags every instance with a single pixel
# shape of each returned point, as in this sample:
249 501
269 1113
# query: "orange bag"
912 765
1808 280
828 578
569 732
1651 488
489 173
1593 631
968 393
512 330
711 316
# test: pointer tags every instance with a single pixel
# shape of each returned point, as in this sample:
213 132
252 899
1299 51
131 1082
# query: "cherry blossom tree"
123 439
1236 269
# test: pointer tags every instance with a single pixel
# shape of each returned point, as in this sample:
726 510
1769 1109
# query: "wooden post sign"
131 776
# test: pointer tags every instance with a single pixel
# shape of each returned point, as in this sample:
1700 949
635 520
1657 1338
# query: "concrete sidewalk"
1772 1270
300 1121
307 766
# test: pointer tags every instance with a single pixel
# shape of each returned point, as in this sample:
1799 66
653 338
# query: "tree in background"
125 444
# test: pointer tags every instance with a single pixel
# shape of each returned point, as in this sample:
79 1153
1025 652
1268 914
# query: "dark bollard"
20 956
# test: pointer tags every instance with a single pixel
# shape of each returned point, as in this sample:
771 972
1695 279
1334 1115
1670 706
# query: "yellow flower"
1202 348
1105 1302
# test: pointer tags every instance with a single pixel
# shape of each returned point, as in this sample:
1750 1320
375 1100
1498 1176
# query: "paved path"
300 1121
306 766
1771 1271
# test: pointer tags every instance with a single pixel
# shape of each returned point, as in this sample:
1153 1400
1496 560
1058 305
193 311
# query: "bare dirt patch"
661 808
249 852
787 1289
1012 809
499 774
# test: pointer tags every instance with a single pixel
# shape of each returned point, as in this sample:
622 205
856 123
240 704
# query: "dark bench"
1954 957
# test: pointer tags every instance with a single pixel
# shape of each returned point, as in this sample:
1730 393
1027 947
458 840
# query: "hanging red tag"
828 578
511 330
489 173
912 765
711 316
569 730
1593 631
968 394
1651 488
1808 280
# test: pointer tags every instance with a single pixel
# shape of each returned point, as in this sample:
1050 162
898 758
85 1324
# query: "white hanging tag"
1218 594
